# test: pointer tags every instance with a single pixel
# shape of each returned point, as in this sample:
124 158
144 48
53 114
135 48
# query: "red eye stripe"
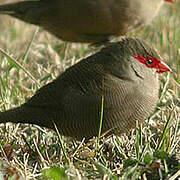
150 62
146 60
171 1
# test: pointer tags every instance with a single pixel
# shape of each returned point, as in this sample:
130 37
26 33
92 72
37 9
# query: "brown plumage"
125 73
89 21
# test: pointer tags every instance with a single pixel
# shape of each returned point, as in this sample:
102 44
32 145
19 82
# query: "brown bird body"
89 21
125 74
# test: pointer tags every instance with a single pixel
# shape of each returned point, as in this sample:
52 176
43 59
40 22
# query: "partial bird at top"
88 21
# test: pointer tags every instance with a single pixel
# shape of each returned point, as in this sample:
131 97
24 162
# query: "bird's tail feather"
26 115
16 7
28 11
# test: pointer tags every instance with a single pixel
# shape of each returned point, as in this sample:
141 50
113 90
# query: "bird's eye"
149 62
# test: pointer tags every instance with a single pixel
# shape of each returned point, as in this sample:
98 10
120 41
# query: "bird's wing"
74 86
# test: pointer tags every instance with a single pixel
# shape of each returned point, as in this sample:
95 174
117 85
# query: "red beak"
163 67
171 1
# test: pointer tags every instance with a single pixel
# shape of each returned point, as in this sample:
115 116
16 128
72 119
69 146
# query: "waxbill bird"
124 74
89 21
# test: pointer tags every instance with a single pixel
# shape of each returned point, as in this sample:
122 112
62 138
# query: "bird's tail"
18 7
26 115
28 11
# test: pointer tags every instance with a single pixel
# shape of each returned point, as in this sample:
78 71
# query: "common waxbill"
124 74
89 21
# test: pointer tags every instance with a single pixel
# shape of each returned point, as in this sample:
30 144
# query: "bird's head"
134 59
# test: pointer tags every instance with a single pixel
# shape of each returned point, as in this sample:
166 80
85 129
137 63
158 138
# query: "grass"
31 59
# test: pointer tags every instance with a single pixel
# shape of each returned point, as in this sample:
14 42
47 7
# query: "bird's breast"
125 103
